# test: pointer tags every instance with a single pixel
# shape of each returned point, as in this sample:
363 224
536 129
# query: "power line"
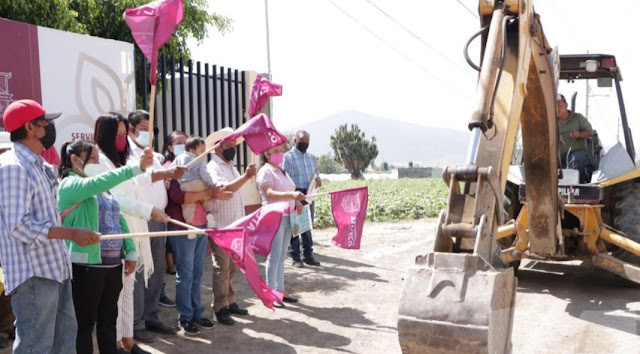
442 55
396 50
468 9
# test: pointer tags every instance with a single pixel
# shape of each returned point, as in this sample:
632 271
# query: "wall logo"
5 96
351 203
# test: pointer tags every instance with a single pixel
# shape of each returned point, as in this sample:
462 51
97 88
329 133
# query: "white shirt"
225 211
154 193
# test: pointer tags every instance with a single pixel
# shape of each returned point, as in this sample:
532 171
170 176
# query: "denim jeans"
190 256
275 260
307 242
45 317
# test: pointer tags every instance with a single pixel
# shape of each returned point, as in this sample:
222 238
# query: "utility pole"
266 16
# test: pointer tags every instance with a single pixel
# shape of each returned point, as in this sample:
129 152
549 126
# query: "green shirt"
577 122
73 189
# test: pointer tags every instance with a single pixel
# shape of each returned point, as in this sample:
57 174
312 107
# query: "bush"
389 200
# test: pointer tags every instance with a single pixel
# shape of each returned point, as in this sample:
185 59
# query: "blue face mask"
178 149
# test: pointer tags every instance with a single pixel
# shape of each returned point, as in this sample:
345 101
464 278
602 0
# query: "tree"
103 18
385 166
352 150
410 164
328 164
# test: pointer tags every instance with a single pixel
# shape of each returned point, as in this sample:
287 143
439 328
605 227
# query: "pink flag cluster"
236 244
261 90
259 133
262 225
152 25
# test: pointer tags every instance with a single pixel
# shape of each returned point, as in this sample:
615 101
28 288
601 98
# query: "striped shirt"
225 211
300 167
28 209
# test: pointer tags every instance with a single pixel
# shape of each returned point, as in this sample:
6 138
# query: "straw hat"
218 135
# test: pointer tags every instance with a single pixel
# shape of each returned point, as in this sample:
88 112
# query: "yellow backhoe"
460 295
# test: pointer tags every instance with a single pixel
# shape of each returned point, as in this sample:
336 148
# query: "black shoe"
311 261
279 305
237 310
159 327
204 323
189 328
137 350
290 299
297 264
224 316
141 335
166 302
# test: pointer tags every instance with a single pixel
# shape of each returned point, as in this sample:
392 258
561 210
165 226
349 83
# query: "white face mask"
94 169
178 149
143 138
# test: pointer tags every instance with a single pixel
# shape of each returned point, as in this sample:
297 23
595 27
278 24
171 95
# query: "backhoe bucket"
456 303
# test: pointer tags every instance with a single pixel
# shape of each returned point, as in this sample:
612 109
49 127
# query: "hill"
398 142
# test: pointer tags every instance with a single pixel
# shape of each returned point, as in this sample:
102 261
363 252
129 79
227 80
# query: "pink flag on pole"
262 225
234 242
261 90
259 133
349 208
152 25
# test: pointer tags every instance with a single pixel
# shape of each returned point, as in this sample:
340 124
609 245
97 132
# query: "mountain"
398 142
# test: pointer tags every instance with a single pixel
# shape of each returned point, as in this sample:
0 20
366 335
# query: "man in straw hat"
226 211
36 264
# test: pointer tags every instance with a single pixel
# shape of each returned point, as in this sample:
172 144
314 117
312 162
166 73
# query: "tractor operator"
574 131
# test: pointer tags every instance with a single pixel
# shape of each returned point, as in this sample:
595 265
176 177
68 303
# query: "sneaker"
311 261
166 302
141 335
237 310
137 350
189 328
297 264
224 316
204 323
211 223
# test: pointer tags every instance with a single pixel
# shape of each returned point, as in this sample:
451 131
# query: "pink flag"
152 25
349 208
262 225
261 90
259 133
234 242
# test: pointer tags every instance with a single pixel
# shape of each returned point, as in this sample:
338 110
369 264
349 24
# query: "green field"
389 200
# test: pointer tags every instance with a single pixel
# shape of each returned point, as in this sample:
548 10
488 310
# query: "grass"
389 200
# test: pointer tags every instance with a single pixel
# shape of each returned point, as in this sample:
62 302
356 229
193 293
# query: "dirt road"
350 304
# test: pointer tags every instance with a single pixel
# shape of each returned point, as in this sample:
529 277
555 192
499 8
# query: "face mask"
178 149
277 158
229 153
49 136
143 139
93 169
302 146
121 143
83 164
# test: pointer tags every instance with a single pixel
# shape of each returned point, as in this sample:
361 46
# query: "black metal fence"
196 98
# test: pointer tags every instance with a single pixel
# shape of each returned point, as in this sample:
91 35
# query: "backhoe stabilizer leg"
453 302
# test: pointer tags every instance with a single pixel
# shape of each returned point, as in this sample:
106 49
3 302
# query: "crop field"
389 199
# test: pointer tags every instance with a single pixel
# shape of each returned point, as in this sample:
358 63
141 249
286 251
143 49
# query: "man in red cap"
35 259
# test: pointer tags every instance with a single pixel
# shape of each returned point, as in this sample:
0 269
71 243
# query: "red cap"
22 111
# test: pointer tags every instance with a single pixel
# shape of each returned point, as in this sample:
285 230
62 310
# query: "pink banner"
261 90
259 133
262 225
235 243
152 25
349 208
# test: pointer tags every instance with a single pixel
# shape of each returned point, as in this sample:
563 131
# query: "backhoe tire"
628 220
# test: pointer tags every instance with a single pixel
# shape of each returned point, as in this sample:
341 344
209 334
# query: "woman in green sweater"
97 269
